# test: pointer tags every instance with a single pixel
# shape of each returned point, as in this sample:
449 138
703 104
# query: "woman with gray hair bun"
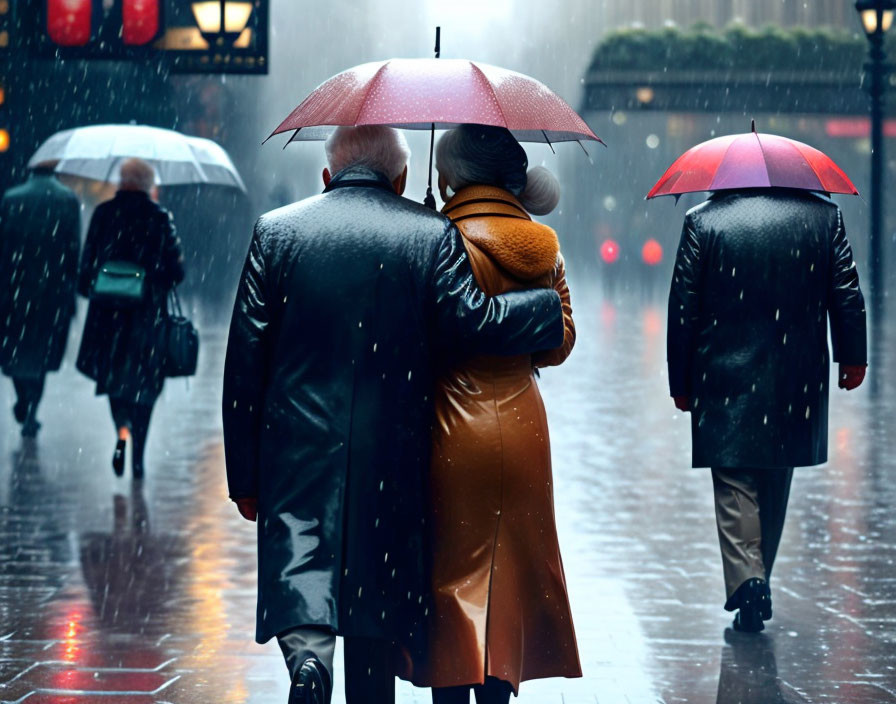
500 612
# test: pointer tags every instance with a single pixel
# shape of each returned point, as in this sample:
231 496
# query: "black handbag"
181 341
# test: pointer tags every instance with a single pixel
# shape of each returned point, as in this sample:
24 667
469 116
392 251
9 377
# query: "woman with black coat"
121 348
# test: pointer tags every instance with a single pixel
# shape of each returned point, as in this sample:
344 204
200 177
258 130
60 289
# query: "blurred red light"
140 21
69 21
652 252
609 251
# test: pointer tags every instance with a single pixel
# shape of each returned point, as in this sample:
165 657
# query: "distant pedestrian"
121 348
758 274
500 612
348 303
39 243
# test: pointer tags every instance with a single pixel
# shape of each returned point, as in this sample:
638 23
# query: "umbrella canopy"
752 160
441 93
97 152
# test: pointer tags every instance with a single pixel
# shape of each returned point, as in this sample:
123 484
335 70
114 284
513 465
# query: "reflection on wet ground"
113 592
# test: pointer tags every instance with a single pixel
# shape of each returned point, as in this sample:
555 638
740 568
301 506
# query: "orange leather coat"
500 606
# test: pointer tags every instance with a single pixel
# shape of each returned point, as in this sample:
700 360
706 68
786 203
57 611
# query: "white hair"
136 174
377 147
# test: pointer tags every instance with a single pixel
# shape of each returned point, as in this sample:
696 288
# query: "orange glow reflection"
71 641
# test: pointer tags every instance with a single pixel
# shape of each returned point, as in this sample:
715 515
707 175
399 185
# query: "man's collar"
359 177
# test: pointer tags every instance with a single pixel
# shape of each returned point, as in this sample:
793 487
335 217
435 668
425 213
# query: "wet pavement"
115 593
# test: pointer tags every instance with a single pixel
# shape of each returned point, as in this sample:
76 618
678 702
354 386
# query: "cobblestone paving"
114 593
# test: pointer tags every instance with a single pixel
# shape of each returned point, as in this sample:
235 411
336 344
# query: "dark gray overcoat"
757 276
346 302
40 236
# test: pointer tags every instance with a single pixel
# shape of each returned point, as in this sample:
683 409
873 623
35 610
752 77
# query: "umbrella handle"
430 200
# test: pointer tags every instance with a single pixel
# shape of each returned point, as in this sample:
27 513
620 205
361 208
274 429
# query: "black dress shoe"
753 599
138 471
311 685
748 620
118 457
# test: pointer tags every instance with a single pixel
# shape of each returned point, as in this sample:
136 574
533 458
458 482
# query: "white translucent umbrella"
97 152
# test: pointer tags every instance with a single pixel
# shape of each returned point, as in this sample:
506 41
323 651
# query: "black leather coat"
757 276
346 301
40 236
121 348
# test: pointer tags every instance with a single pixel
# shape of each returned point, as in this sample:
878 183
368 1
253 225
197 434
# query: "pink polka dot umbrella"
422 93
431 94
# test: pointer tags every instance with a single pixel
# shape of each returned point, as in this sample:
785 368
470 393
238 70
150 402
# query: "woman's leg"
451 695
140 416
121 417
494 691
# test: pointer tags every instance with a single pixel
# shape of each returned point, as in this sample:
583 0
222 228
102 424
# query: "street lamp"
221 22
877 18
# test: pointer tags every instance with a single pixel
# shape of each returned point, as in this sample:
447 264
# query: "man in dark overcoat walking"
347 302
758 274
39 243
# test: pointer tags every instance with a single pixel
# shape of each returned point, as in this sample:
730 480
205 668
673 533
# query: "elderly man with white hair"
350 303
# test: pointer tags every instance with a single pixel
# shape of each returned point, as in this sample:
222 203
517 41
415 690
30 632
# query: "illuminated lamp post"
877 18
221 22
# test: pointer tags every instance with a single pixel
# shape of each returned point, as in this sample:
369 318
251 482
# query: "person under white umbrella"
98 151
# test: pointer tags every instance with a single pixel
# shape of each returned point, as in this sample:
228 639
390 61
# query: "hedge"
737 47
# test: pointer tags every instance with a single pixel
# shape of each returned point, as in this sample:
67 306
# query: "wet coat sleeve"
846 303
468 322
553 358
684 309
245 376
172 251
89 264
72 253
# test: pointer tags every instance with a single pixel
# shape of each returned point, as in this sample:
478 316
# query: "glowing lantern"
652 252
609 251
69 21
139 21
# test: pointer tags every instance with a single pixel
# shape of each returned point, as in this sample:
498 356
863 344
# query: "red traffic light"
652 252
609 251
69 21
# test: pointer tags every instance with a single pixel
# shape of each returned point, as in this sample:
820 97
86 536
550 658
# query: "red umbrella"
752 160
442 93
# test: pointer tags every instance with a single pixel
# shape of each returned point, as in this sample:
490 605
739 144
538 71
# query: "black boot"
30 428
118 457
753 600
311 685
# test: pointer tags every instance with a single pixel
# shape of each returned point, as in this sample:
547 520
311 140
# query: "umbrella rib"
292 138
798 146
725 156
547 139
764 161
579 142
373 81
482 77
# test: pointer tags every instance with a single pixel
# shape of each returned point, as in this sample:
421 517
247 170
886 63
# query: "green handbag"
120 284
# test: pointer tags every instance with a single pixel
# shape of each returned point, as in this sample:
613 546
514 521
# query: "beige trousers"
750 508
